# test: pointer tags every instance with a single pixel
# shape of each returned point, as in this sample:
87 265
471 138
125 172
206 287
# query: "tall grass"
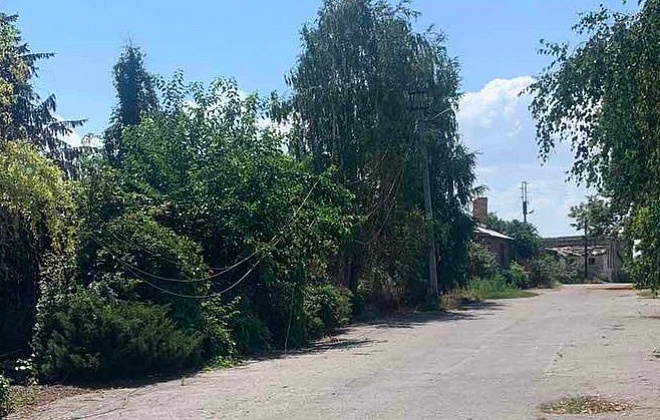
495 288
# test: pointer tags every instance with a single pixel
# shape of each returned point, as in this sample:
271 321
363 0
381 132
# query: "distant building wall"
604 255
501 248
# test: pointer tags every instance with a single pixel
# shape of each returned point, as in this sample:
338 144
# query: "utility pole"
426 183
586 251
525 202
433 264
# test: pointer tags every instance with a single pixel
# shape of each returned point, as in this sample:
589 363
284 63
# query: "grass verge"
25 398
584 405
496 288
479 290
646 294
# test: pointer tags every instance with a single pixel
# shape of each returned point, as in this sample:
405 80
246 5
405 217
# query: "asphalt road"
498 361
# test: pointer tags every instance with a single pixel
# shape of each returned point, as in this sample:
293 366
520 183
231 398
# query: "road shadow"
339 340
468 311
480 305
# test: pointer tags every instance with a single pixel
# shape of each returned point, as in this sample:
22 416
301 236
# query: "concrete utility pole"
586 252
433 288
525 202
428 204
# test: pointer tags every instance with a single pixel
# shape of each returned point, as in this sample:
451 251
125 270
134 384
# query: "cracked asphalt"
500 360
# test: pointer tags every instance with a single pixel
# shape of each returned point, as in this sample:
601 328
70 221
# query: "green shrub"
481 262
249 333
379 294
516 276
87 339
218 342
570 271
326 308
5 397
543 272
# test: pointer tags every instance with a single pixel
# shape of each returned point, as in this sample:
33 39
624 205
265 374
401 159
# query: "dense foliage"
214 224
596 218
136 96
88 339
602 97
526 239
375 99
37 230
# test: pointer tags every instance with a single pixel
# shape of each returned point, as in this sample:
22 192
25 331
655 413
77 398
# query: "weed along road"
500 360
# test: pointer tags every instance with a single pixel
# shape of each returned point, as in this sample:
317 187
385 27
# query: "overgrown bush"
87 339
516 276
481 262
570 271
378 294
248 332
218 342
326 309
543 272
5 397
36 239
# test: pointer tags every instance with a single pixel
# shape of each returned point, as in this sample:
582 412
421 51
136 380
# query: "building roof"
487 232
571 251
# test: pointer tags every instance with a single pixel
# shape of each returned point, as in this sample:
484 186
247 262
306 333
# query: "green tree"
601 97
209 216
527 243
370 95
37 236
136 96
595 216
23 115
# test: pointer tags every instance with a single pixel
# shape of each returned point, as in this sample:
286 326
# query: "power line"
211 295
271 243
393 202
208 296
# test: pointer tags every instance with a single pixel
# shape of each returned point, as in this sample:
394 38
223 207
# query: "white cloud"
73 138
496 123
496 105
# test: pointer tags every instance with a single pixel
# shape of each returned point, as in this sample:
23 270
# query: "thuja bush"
89 339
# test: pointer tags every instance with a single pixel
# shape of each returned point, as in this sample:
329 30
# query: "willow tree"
368 92
602 97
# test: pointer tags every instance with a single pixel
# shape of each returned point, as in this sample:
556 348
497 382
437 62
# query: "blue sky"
257 41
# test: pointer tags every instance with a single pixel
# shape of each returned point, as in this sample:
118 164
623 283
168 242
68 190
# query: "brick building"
500 245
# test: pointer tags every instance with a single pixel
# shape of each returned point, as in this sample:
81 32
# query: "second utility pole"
524 201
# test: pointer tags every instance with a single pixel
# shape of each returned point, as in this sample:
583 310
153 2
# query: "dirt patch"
584 405
646 294
27 398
